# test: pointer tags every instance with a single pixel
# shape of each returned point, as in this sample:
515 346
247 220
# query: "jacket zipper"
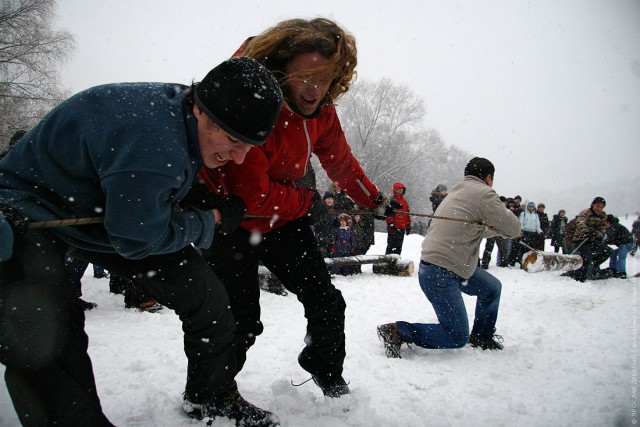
306 133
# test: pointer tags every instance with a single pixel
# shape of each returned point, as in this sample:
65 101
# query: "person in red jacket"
398 224
314 62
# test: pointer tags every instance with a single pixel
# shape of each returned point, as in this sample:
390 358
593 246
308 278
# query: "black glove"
199 196
318 209
18 222
232 209
408 230
395 204
384 209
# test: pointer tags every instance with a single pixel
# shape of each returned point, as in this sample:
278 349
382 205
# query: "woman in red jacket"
398 224
314 62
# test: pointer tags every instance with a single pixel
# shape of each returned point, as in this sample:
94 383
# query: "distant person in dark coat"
362 246
438 194
557 231
618 235
635 231
491 242
544 225
325 228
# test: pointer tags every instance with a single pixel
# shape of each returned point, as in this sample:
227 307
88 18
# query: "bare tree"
384 124
30 52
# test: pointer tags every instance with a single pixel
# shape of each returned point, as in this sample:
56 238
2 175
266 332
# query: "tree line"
30 53
384 125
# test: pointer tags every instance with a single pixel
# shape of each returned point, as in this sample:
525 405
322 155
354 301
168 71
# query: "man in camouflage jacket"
589 238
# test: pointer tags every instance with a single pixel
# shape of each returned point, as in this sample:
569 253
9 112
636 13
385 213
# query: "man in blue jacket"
128 153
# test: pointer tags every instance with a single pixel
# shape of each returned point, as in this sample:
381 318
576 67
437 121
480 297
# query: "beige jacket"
454 245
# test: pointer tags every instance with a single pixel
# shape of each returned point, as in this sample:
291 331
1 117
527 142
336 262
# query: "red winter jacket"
265 181
400 221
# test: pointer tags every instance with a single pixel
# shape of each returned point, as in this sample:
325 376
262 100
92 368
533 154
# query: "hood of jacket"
397 186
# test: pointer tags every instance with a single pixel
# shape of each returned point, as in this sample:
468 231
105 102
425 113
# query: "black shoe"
493 343
390 337
86 305
620 275
233 406
331 384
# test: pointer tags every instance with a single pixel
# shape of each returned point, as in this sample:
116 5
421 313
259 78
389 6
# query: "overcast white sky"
547 90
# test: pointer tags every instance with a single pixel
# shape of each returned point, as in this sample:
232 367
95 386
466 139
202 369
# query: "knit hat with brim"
242 97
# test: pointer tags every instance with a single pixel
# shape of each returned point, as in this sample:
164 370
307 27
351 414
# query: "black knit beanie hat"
242 97
599 200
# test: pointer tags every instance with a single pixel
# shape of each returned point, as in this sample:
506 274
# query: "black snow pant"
395 238
44 346
503 252
292 254
593 254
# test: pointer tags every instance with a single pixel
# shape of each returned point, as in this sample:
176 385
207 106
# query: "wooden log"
535 261
397 269
382 264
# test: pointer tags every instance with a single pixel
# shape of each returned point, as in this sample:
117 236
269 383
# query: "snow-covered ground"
569 358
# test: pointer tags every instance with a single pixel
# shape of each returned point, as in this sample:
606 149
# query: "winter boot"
390 337
230 405
492 343
331 384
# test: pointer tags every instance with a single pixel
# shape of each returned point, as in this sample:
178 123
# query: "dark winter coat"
359 229
617 234
324 231
635 229
344 241
544 223
557 230
135 154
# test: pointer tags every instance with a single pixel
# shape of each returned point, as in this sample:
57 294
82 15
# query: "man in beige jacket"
449 266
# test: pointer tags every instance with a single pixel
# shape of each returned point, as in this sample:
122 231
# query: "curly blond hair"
276 46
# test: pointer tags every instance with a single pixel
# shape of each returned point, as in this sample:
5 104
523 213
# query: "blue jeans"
618 259
444 290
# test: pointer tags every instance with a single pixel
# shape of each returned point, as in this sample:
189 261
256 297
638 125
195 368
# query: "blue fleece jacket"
128 152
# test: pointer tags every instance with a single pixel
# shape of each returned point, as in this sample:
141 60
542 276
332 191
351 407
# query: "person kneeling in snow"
620 236
587 237
448 267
